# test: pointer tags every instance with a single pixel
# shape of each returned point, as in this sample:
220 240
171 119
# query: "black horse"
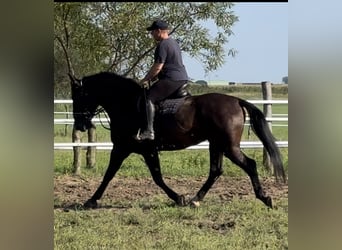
180 123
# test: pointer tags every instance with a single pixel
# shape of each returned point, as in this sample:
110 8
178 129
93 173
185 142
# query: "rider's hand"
144 84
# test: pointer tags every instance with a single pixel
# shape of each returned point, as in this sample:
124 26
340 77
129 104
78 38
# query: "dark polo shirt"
169 53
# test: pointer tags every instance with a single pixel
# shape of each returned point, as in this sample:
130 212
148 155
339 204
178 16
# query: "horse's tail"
262 130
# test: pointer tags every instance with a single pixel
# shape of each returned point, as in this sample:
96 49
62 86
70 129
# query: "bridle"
89 115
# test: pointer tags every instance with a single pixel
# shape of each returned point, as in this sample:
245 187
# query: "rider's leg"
148 134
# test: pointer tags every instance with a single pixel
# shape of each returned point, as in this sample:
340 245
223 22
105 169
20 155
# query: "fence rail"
106 121
70 121
251 101
202 145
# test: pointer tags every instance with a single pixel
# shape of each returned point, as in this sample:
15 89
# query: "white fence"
202 145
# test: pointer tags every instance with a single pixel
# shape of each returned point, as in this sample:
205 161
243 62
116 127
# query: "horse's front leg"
116 158
152 161
215 172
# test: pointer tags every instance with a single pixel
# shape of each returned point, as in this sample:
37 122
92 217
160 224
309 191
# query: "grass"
237 225
183 163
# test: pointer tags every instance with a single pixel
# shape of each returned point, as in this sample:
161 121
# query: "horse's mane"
105 75
113 80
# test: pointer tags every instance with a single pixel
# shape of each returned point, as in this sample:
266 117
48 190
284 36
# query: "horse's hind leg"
215 172
249 166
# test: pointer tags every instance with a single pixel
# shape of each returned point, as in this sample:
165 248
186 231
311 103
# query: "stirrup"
146 135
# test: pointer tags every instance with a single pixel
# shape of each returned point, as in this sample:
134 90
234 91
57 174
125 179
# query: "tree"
285 79
111 36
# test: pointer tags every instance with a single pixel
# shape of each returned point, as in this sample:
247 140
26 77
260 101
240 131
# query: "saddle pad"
170 106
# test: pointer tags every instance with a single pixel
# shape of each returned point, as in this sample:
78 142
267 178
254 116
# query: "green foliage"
112 36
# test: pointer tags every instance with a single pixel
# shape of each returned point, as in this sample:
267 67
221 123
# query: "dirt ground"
70 191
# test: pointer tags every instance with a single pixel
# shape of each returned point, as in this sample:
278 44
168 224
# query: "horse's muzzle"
80 126
83 125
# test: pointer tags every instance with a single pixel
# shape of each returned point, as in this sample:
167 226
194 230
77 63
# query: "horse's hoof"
194 204
90 204
181 201
268 202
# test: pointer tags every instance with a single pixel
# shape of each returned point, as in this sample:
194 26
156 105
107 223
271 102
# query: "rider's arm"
153 72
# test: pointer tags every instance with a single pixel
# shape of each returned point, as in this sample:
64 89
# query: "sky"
261 40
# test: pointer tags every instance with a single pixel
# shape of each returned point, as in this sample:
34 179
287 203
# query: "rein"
98 112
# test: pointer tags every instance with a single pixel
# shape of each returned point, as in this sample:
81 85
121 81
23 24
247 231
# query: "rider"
169 70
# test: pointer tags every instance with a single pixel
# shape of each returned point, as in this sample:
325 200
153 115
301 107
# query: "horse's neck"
121 113
119 100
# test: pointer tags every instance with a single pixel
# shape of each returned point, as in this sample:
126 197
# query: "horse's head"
84 106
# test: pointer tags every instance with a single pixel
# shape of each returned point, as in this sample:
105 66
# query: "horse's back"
216 104
216 98
218 117
211 116
206 108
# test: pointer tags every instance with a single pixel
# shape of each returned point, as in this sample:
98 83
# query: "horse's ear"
74 80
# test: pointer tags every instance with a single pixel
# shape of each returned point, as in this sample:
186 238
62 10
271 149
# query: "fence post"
76 137
91 151
67 117
267 95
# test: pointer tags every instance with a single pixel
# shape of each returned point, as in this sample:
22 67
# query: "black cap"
158 24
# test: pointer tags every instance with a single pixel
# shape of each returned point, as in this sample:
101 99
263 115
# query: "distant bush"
201 82
232 89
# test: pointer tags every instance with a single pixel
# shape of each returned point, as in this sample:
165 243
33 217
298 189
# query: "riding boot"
148 134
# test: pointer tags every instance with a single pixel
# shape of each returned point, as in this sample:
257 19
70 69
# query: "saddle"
170 104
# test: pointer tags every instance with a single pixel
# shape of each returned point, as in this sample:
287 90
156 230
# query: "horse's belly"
177 141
